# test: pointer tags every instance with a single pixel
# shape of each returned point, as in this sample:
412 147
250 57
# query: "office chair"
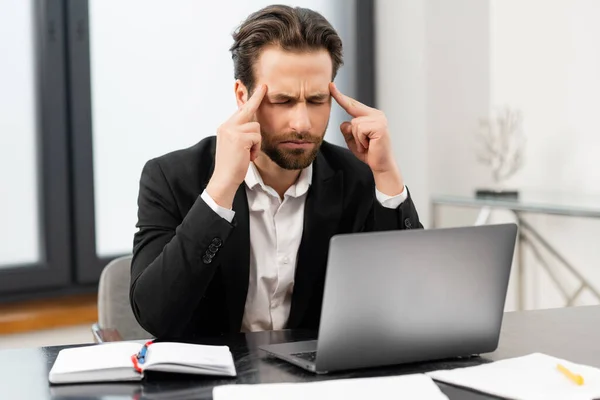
114 308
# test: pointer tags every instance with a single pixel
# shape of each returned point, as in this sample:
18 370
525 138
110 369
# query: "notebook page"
105 362
395 387
93 358
534 376
211 358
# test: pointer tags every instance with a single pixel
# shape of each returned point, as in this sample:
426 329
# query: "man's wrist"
222 193
389 182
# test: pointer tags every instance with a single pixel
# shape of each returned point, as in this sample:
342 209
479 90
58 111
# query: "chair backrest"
114 308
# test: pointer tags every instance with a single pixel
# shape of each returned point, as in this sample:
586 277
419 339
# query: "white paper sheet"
530 377
395 387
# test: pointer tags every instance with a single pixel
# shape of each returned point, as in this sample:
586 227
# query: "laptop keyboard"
306 355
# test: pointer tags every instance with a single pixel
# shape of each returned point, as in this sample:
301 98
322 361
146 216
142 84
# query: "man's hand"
368 138
238 143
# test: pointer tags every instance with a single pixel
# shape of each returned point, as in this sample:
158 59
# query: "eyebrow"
287 96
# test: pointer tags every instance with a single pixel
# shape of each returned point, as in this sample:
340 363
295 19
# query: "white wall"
433 85
546 61
162 79
19 214
401 74
443 65
458 76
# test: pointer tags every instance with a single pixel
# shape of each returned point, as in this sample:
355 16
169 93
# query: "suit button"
217 242
213 249
207 259
407 223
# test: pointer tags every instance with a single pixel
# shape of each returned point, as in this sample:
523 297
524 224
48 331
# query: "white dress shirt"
276 228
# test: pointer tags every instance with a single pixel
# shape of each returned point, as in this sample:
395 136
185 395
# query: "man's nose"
300 120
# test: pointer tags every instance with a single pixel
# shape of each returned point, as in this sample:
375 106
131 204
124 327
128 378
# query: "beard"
291 159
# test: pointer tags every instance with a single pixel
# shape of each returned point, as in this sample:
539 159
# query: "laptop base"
294 353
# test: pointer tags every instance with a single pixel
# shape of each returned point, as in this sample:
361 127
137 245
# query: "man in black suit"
234 231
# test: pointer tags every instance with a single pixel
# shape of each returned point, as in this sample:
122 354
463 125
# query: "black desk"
570 333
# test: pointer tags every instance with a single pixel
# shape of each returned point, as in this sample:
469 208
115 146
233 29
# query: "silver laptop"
405 296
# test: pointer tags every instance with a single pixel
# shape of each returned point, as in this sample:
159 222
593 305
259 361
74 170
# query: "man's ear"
241 93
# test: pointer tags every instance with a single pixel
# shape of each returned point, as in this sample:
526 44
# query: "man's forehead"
287 86
284 71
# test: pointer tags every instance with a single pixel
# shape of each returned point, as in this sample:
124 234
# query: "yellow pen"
578 379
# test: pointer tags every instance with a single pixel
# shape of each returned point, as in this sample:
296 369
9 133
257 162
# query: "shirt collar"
253 179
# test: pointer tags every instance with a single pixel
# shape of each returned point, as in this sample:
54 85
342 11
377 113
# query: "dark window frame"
53 270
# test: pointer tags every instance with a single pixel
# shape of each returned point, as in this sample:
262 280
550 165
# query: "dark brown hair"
292 29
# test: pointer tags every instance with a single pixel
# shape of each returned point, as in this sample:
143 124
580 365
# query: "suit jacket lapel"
322 213
236 265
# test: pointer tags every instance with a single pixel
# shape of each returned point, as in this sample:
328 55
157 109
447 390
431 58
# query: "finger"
251 139
250 127
254 152
363 126
362 143
255 149
257 97
247 111
350 105
362 119
358 124
364 131
346 129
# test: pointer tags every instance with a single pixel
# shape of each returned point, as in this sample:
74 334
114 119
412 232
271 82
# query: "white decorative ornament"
502 144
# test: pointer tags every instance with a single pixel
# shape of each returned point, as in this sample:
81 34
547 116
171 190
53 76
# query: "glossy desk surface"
570 333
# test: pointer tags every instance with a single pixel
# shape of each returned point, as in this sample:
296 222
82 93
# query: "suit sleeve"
174 259
381 218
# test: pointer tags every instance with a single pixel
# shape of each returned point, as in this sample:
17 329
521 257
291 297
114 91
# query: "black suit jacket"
189 275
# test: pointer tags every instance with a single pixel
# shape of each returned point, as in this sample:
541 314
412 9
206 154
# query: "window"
35 236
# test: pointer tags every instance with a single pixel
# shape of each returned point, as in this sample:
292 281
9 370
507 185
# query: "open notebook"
115 361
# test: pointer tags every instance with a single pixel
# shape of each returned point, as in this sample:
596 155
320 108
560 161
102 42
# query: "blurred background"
92 89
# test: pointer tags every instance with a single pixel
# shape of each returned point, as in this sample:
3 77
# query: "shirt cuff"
223 212
391 201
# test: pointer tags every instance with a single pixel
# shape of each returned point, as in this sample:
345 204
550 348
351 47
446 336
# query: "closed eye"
319 99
